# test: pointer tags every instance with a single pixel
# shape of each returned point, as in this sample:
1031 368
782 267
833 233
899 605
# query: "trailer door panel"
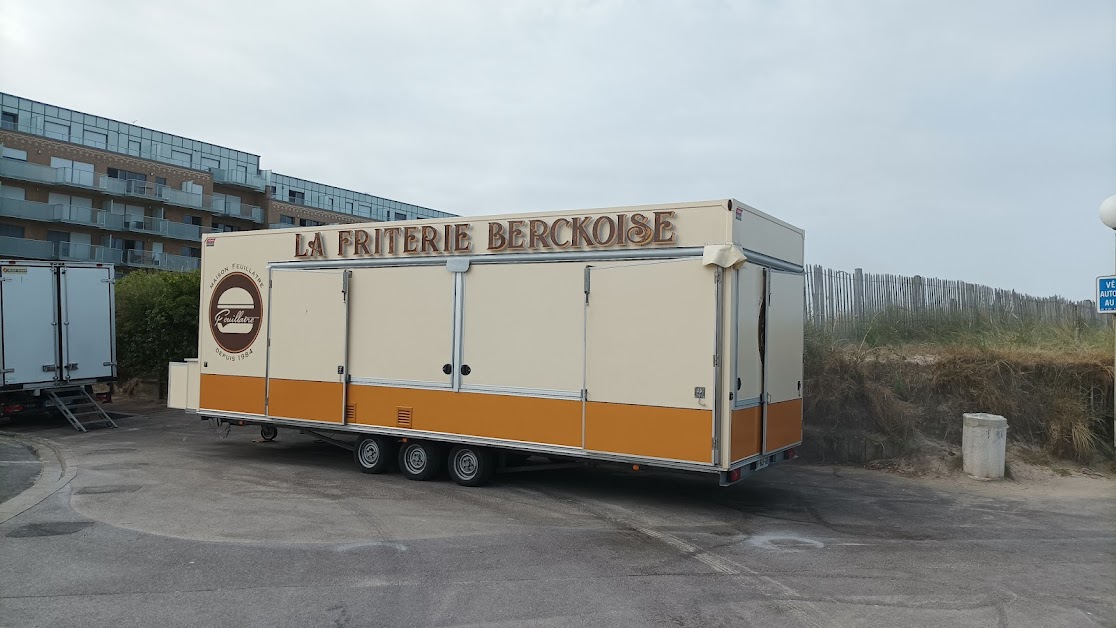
522 329
783 359
307 332
650 341
88 323
30 325
404 336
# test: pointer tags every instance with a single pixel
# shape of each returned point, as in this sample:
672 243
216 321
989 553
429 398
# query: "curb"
55 474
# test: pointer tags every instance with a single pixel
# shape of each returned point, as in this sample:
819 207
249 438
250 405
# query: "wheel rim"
466 464
415 459
369 453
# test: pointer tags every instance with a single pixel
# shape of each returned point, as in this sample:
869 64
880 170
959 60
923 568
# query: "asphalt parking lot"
161 523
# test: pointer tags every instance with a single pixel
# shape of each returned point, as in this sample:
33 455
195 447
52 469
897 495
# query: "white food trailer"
665 336
57 337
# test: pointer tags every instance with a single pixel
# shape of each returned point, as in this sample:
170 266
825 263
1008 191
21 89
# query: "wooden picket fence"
849 303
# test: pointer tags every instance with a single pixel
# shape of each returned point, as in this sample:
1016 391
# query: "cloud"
959 140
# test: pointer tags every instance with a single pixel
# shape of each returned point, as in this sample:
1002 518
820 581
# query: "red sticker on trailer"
210 241
739 213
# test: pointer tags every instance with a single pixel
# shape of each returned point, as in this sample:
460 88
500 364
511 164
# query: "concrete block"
984 445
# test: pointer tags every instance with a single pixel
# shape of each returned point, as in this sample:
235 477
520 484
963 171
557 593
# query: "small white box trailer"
665 336
57 337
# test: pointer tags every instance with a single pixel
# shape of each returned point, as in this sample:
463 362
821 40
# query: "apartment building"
76 186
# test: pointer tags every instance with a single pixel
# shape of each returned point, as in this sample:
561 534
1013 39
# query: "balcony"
74 251
239 179
38 173
163 261
148 190
22 247
69 214
281 225
235 209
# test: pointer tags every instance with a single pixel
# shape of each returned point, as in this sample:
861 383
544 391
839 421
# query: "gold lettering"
362 242
581 236
390 233
640 231
600 222
662 227
316 248
429 235
298 246
344 239
554 232
410 239
621 228
537 234
515 235
447 240
376 244
461 239
497 241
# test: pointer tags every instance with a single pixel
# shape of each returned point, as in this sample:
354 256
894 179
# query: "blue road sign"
1106 295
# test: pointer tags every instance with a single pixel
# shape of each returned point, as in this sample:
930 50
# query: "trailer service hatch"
667 335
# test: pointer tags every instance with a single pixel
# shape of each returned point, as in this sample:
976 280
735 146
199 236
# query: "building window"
190 251
117 173
286 220
57 131
11 153
9 120
11 231
400 216
96 140
294 196
210 163
306 222
58 236
192 220
161 181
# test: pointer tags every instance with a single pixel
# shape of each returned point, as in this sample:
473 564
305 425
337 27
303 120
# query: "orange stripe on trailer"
747 433
784 424
673 433
301 399
527 419
232 393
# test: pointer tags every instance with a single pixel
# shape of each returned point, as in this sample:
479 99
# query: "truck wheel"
268 432
419 460
471 466
373 454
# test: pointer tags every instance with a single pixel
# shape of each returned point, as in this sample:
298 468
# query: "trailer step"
85 401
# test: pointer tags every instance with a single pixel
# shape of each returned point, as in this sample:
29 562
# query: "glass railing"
281 225
89 253
239 178
164 261
234 208
31 210
126 150
22 247
28 210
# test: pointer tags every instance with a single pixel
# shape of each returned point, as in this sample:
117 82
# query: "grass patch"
1053 384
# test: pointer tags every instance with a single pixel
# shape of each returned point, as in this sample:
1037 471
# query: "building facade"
79 187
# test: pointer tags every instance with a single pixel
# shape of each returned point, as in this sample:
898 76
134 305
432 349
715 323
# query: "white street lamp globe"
1108 212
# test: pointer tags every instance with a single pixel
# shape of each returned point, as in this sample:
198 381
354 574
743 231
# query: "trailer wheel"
420 460
268 432
471 466
373 454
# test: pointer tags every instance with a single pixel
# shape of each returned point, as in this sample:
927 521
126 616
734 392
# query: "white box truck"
661 336
57 338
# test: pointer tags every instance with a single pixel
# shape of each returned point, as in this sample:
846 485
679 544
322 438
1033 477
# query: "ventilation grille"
403 416
350 412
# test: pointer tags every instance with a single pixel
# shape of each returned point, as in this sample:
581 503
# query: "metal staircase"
79 407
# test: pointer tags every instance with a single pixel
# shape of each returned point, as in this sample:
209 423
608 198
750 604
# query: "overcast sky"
967 140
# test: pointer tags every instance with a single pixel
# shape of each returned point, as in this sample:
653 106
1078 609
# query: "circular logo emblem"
235 312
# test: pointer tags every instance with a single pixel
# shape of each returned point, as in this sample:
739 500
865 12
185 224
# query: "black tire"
420 460
471 466
374 454
268 432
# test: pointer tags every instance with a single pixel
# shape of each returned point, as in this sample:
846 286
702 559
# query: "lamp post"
1108 217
